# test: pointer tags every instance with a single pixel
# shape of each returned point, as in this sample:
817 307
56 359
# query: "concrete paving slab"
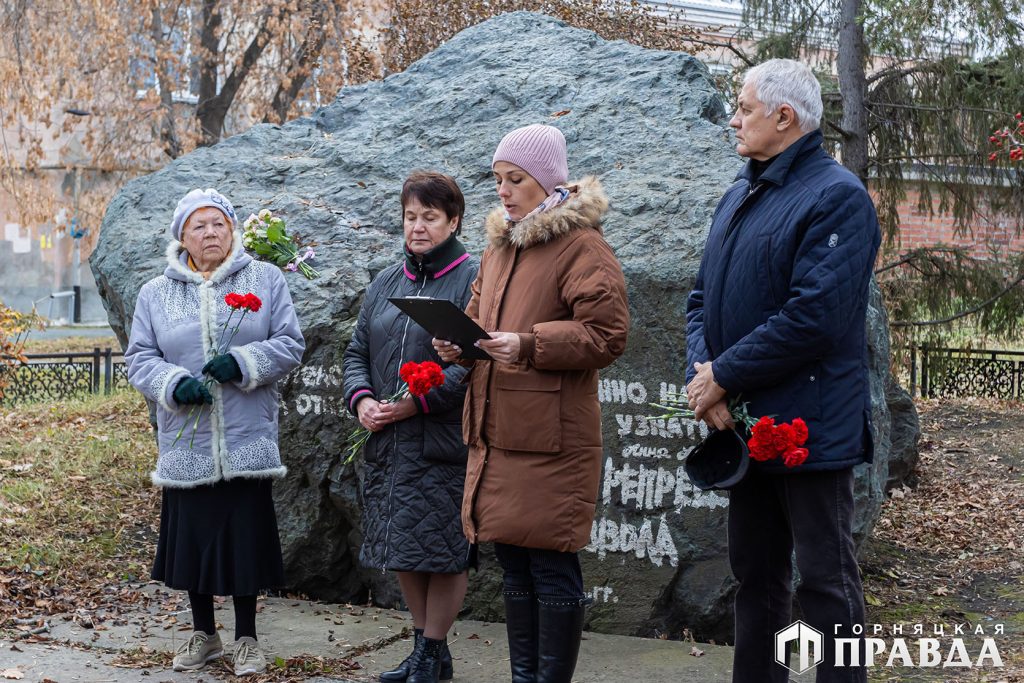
376 638
480 655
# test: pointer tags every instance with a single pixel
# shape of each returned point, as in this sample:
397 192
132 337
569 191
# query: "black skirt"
219 539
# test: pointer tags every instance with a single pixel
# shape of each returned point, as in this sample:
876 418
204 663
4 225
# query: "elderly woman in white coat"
216 414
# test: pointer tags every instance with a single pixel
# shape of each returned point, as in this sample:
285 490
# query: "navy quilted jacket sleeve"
696 345
827 288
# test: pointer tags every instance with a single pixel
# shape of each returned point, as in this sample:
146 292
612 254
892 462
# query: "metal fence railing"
958 373
59 376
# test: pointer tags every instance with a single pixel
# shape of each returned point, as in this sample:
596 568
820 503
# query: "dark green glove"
223 368
191 391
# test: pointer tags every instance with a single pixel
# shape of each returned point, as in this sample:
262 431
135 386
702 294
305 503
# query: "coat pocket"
442 442
527 411
369 450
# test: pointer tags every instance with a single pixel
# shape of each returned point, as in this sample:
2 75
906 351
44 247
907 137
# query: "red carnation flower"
800 431
407 370
794 457
421 377
234 300
434 372
252 302
784 437
760 450
763 429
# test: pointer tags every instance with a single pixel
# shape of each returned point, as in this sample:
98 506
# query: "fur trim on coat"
583 209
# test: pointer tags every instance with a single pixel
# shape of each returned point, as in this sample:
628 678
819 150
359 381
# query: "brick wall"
918 229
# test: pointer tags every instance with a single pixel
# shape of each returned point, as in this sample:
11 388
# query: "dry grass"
75 496
71 344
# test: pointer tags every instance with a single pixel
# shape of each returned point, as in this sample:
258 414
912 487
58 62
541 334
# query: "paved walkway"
290 628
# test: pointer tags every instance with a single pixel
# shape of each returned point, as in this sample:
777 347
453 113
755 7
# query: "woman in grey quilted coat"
414 464
218 529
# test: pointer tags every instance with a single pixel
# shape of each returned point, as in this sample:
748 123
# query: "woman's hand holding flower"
223 368
370 416
191 391
397 411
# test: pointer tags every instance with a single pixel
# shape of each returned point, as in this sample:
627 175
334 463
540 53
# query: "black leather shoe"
559 628
521 626
400 673
428 666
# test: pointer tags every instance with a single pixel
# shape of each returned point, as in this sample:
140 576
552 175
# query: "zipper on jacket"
743 205
486 408
391 487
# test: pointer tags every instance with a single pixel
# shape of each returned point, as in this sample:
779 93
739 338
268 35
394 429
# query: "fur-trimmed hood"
583 209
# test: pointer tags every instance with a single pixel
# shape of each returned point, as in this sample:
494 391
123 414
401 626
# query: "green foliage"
940 77
946 296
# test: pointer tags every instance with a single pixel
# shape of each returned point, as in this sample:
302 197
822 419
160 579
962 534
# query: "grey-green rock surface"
652 126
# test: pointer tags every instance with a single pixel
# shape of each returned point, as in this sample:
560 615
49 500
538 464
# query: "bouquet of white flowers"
265 234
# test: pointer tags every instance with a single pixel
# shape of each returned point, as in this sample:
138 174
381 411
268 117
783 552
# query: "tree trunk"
213 105
168 131
851 64
209 111
304 63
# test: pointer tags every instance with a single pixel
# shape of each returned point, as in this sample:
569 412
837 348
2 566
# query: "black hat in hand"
718 462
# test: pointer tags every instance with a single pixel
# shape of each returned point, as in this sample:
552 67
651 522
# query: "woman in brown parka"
552 296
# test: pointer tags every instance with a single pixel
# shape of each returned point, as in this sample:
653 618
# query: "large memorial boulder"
651 125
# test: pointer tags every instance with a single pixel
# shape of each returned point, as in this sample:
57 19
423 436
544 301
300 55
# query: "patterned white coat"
179 325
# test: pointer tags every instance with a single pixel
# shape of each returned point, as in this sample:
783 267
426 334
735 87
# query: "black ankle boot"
521 626
447 668
559 628
400 673
428 666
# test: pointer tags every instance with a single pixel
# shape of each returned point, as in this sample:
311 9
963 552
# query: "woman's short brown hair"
437 191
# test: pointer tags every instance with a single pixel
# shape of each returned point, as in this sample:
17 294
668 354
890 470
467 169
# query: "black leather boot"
521 626
428 666
400 673
559 628
447 669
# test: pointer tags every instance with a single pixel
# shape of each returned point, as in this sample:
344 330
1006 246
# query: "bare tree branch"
305 58
962 314
914 255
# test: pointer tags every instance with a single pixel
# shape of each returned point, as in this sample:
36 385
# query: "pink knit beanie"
539 150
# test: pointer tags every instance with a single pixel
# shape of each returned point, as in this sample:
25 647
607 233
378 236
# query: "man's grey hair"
787 81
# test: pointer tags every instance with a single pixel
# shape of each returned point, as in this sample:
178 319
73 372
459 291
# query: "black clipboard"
444 320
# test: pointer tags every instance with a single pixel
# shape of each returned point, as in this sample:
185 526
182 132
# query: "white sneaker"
248 659
195 652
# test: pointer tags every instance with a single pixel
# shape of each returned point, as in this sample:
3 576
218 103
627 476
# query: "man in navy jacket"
777 317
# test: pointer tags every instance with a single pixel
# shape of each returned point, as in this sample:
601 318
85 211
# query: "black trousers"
551 575
770 516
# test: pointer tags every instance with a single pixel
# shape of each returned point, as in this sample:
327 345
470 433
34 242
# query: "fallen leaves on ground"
955 538
78 513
